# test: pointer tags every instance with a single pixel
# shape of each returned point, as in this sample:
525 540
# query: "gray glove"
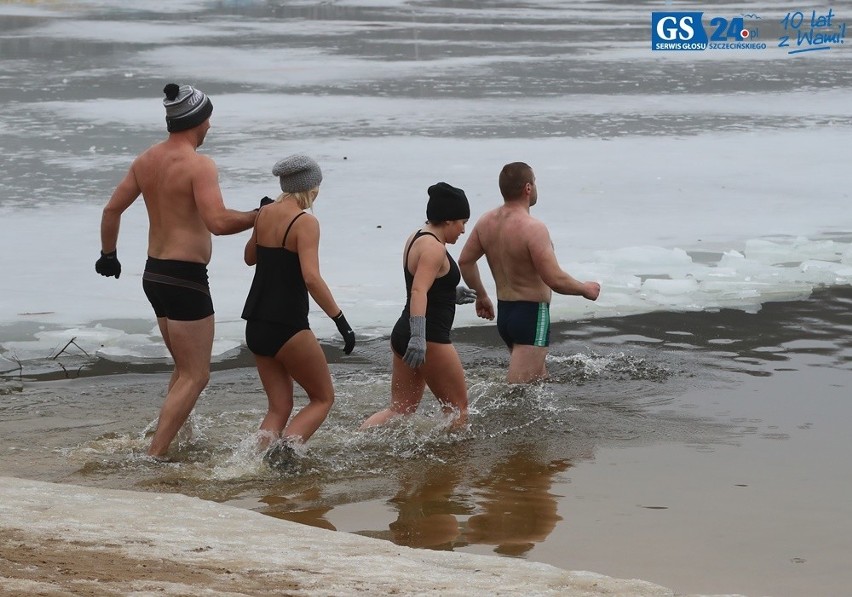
464 295
415 354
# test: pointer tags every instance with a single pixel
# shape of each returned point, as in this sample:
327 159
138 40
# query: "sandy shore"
70 540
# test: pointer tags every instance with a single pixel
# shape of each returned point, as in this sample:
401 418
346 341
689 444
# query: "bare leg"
444 375
407 387
303 358
278 386
163 324
191 344
527 364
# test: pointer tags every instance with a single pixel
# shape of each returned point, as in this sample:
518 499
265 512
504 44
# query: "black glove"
346 331
108 265
265 201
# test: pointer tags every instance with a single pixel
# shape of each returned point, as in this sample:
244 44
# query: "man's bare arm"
544 260
123 196
219 219
471 253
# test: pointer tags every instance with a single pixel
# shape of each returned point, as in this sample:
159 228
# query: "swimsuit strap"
417 235
293 221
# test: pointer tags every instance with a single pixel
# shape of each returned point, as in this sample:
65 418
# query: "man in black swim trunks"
181 191
522 260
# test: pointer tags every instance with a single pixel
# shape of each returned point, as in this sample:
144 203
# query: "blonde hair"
304 199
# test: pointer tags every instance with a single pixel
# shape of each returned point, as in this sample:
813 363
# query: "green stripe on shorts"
542 324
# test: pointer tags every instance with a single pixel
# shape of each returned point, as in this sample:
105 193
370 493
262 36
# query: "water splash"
594 366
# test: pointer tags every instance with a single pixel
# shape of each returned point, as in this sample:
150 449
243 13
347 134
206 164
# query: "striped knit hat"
186 107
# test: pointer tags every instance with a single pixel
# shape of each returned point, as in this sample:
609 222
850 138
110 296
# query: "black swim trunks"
177 290
524 322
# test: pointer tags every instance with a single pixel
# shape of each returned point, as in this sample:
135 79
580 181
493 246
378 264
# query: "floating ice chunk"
672 294
7 365
669 287
71 341
647 260
737 262
224 348
827 250
134 348
825 272
766 251
792 251
739 289
621 282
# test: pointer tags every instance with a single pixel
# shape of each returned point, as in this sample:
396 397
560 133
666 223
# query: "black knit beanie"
446 202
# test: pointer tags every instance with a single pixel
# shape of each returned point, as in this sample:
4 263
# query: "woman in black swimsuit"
423 354
285 248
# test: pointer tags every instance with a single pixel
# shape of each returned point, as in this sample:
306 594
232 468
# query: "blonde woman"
284 247
423 354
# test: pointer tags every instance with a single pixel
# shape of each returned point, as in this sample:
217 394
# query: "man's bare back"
509 238
166 174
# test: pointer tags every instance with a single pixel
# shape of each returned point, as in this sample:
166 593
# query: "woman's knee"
323 397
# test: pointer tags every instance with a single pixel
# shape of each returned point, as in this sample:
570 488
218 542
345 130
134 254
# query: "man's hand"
108 264
591 290
484 308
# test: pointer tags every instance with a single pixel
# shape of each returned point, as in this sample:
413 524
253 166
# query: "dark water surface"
577 472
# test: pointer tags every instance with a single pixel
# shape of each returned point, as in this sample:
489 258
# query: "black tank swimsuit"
440 305
276 308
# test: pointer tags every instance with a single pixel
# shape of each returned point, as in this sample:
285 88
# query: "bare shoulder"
531 230
425 245
524 223
305 228
486 224
429 250
490 213
488 217
308 219
536 225
202 162
148 156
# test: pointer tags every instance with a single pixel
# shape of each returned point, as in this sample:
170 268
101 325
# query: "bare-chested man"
521 257
181 191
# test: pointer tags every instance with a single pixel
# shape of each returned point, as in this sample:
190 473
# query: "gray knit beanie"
297 173
186 107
